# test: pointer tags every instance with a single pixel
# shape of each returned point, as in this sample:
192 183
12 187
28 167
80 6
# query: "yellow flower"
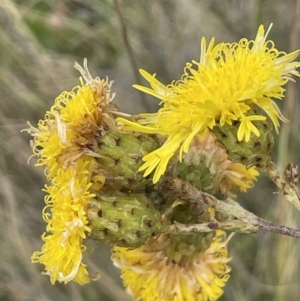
221 88
238 176
65 213
72 124
63 143
149 274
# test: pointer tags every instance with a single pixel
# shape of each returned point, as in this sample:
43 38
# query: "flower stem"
242 220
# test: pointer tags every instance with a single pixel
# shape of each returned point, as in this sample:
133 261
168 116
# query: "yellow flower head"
67 223
71 125
220 89
150 275
63 143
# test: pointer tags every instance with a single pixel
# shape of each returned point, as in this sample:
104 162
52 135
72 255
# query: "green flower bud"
124 220
203 177
256 152
184 247
121 156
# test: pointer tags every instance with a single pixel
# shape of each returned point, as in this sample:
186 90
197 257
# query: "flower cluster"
205 134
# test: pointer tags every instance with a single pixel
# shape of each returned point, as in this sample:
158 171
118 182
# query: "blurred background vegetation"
40 40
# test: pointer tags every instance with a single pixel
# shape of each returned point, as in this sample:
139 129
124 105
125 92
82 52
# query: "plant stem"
243 222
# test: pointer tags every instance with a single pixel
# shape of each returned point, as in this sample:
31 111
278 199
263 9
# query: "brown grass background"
39 41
